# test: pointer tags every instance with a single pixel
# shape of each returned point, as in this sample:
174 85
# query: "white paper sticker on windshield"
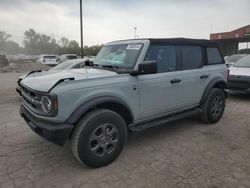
133 47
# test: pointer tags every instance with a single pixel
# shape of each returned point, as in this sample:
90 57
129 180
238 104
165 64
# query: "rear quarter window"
214 56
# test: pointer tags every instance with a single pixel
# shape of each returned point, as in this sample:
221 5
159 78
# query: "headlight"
46 104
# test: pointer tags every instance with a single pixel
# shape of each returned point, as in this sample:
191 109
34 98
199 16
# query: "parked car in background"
239 76
232 59
65 57
48 60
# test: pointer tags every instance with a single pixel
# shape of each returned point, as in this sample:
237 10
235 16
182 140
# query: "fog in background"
110 20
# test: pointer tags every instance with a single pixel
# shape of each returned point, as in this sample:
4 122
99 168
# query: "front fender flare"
90 104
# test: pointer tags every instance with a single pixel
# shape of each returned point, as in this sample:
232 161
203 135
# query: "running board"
136 127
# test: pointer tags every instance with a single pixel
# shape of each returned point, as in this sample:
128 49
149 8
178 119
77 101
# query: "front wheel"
99 138
214 106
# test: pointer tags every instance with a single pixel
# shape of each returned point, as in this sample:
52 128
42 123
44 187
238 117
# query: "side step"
152 123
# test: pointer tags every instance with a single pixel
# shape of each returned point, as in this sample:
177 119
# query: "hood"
240 71
43 81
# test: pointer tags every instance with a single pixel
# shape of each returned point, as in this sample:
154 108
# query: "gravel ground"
184 153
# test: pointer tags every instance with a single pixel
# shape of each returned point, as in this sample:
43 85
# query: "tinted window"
213 56
191 57
165 56
50 57
72 57
78 66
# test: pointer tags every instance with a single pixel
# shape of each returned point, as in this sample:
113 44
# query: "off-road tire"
91 126
214 106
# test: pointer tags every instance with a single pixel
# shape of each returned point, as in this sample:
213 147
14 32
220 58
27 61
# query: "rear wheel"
99 138
214 106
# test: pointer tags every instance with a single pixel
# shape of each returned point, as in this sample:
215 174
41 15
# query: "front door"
161 93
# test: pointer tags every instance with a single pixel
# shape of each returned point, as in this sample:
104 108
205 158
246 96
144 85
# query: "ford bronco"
132 85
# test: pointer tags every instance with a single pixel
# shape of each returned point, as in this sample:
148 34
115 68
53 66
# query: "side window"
191 57
164 55
77 66
213 56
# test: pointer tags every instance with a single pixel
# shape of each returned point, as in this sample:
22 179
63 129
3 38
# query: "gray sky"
108 20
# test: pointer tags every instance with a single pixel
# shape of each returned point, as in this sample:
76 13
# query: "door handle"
174 81
203 76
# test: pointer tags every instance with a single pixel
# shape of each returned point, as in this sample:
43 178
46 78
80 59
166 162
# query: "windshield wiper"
106 67
111 66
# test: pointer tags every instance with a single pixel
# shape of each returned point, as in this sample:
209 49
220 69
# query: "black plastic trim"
211 85
90 104
240 83
56 133
140 126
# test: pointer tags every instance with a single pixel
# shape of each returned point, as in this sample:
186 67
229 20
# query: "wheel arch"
215 83
108 102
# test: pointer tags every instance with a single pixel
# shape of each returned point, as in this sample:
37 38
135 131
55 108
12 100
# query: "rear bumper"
56 133
239 84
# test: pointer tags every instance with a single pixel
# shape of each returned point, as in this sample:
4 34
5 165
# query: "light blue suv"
132 85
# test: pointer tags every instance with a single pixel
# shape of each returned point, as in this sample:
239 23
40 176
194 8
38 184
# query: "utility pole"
135 28
81 31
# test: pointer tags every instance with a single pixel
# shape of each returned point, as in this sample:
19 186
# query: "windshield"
120 56
234 58
66 64
50 57
244 62
72 57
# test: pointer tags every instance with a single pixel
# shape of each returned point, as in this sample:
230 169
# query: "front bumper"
239 84
56 133
18 90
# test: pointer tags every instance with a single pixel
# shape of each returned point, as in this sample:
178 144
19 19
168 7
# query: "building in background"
229 41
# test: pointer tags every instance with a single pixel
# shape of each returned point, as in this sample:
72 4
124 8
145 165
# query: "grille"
30 97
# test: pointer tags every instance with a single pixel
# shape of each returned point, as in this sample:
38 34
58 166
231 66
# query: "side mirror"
147 67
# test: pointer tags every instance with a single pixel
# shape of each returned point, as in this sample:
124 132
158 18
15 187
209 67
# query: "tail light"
228 73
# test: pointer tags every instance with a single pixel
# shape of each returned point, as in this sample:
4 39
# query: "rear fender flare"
215 83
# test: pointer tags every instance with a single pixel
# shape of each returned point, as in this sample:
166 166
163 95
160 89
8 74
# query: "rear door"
161 93
195 75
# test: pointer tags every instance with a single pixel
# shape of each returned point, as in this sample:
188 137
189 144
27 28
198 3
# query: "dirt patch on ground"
9 96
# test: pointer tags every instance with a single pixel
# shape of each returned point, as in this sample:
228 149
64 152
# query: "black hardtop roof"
177 41
184 41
